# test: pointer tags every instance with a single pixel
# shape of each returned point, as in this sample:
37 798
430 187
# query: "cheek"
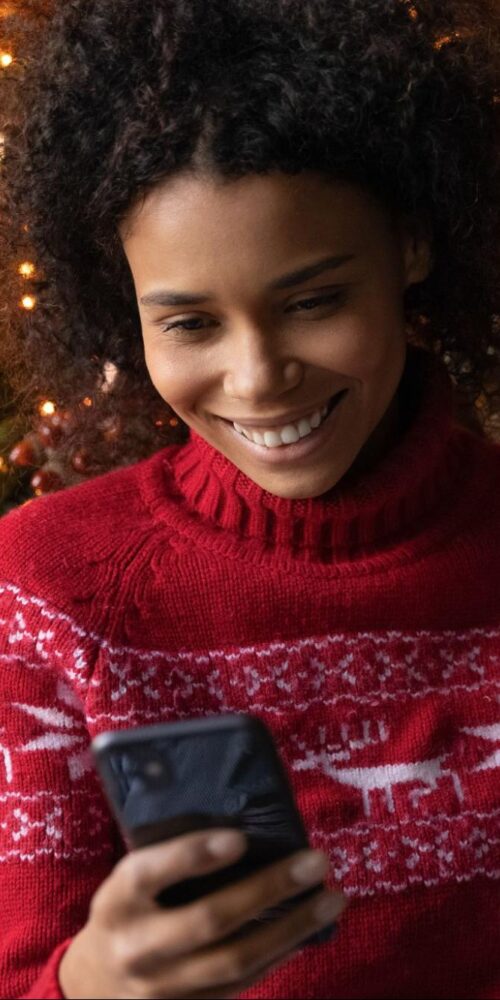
179 380
365 346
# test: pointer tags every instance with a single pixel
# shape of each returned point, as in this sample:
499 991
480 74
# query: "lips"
286 420
280 456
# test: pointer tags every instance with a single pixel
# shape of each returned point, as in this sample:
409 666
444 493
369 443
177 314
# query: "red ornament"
46 480
26 452
50 434
80 461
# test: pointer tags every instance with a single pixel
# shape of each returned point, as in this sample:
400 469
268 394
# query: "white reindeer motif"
385 776
7 762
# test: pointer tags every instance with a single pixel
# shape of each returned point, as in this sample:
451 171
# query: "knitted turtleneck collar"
381 509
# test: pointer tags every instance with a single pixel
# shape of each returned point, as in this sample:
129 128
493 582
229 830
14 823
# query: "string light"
87 401
5 59
26 269
412 11
173 422
447 39
47 408
28 302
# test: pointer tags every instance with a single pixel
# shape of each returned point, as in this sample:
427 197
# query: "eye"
186 325
315 301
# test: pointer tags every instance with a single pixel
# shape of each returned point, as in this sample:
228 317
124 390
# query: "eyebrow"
165 297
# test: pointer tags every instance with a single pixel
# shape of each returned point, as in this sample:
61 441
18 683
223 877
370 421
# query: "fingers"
192 951
138 878
220 914
221 970
234 991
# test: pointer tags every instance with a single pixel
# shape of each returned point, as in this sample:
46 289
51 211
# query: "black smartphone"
165 780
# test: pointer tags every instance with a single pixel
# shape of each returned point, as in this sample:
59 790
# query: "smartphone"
165 780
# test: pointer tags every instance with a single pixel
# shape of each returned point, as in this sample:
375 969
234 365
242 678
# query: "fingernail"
226 842
309 869
327 908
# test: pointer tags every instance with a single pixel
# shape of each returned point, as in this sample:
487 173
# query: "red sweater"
362 626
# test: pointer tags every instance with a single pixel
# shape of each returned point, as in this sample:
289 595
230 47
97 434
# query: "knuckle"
131 957
208 924
122 955
132 875
230 967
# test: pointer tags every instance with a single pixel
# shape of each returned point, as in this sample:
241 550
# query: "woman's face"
264 300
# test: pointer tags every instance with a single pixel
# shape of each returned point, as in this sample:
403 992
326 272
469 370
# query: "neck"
410 461
382 440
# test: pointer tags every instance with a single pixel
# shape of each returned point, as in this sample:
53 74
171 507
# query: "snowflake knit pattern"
362 626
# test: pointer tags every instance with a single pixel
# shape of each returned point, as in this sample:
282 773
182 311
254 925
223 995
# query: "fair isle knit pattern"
363 627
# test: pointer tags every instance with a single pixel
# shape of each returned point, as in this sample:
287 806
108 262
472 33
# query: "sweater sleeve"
57 839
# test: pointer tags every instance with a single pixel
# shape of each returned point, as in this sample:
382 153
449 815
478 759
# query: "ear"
418 257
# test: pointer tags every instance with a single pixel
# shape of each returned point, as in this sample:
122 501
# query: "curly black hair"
400 96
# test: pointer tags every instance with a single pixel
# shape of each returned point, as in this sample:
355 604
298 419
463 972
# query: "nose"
257 369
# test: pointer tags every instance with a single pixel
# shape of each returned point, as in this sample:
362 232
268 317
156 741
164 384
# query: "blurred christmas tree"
14 485
32 459
38 453
15 478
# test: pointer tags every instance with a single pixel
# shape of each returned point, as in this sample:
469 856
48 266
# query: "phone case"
166 780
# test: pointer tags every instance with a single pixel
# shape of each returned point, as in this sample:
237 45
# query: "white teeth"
290 434
272 439
258 438
284 435
304 427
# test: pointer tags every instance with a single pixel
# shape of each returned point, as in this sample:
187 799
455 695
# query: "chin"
300 491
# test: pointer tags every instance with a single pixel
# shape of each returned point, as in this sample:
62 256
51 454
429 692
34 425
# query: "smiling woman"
278 220
283 292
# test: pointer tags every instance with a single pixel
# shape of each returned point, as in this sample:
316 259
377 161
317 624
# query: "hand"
132 948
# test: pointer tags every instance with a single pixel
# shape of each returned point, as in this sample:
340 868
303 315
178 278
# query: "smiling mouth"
291 433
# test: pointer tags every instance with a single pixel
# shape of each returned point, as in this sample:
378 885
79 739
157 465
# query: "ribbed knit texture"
362 626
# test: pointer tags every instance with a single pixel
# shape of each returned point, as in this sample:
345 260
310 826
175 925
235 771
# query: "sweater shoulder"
66 546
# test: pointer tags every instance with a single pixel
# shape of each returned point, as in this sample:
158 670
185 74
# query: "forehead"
201 224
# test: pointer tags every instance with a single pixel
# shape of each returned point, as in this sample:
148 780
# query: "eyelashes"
313 302
185 324
196 324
